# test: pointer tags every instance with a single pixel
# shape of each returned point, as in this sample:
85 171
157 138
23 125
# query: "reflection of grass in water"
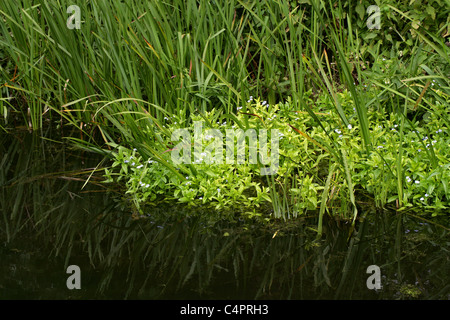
167 257
32 180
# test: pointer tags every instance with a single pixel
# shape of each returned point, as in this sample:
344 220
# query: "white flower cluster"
144 185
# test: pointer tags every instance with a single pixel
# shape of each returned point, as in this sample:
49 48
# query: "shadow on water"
51 219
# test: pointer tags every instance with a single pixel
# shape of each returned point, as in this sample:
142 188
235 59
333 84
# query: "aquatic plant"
297 185
131 66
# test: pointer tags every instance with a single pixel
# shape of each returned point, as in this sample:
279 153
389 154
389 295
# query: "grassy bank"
363 112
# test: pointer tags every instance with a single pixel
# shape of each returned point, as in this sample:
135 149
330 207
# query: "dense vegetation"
362 112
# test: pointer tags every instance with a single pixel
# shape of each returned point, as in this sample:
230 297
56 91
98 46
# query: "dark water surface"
50 219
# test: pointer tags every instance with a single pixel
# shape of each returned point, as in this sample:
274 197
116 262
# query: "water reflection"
49 221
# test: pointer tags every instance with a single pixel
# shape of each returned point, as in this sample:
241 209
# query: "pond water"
50 219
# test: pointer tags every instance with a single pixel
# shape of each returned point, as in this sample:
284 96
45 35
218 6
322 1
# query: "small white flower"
417 181
349 127
427 195
421 199
200 198
139 166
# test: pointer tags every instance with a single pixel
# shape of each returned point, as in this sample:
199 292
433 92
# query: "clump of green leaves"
224 186
305 151
409 291
425 162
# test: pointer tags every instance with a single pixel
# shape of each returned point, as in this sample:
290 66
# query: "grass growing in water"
134 65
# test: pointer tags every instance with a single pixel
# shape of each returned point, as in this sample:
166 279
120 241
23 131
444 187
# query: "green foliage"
138 70
304 161
409 291
400 23
424 164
